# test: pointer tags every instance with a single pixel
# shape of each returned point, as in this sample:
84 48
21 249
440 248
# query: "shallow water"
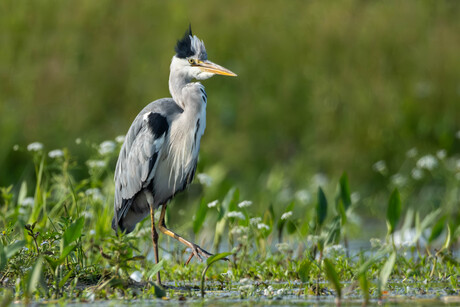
292 294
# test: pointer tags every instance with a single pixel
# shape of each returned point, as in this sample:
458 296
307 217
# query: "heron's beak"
213 68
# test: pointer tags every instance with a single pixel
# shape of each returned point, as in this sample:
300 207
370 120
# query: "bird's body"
159 155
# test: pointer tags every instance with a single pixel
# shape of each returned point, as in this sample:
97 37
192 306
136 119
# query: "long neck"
177 82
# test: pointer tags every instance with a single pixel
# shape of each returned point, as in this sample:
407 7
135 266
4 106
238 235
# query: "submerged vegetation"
57 243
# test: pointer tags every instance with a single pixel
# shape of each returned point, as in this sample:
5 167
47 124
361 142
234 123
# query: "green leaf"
72 233
35 277
66 252
446 244
304 270
281 222
437 229
393 211
64 280
3 259
342 211
159 292
200 216
385 272
333 234
217 257
345 194
13 248
332 276
52 262
321 208
364 284
156 268
209 262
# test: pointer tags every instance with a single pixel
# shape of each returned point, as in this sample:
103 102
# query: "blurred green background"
323 86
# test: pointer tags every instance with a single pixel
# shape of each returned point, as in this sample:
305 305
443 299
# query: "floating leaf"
393 211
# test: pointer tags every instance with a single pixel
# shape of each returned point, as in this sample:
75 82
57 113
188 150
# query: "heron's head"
191 59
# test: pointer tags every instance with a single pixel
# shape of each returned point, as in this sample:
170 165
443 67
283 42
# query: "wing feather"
138 159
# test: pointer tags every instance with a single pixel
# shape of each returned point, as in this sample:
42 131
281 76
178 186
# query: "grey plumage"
160 152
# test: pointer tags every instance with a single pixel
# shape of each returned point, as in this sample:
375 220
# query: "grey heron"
159 155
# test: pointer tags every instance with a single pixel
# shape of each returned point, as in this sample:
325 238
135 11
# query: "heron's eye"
191 61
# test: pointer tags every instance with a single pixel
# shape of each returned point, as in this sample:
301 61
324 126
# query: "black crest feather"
184 45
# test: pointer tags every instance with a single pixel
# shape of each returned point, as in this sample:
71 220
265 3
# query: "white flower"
106 147
204 179
319 180
136 276
417 174
255 220
95 194
16 147
375 243
246 288
355 197
78 141
457 134
428 162
96 163
398 180
213 204
239 230
228 274
35 146
28 202
263 226
380 167
236 214
441 154
282 247
245 203
303 196
92 232
280 292
120 139
286 215
57 153
411 153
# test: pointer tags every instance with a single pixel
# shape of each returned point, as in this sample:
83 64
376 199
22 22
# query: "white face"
190 71
193 68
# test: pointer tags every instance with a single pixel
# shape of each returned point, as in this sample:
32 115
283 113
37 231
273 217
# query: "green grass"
57 244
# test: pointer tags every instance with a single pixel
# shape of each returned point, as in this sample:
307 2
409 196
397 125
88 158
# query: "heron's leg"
196 250
155 241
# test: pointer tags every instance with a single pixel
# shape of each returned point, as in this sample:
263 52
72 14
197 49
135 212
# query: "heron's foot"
200 253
